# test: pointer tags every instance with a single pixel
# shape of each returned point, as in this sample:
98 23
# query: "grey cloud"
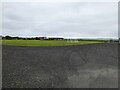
60 19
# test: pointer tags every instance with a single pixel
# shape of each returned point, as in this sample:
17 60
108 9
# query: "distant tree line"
32 38
50 38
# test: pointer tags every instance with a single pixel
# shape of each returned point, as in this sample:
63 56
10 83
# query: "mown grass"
46 42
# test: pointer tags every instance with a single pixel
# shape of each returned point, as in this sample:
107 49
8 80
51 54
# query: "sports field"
47 42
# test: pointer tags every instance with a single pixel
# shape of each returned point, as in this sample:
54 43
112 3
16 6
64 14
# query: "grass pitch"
47 42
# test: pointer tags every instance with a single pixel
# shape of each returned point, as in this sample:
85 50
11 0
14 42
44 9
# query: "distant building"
40 38
115 41
55 38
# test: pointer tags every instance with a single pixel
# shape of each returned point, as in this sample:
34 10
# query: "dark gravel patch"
83 66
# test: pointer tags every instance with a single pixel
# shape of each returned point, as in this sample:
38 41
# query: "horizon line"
65 37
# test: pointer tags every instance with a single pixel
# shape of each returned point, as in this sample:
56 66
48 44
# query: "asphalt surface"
82 66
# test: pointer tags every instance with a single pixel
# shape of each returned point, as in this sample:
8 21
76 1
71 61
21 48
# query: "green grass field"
45 42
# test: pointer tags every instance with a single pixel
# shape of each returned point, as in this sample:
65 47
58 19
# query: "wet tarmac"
82 66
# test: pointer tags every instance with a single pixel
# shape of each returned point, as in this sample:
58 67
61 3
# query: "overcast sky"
70 19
